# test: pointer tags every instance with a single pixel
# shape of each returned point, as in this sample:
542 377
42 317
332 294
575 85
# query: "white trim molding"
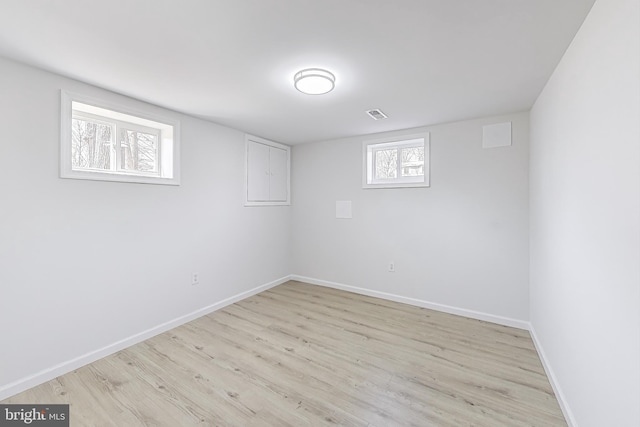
48 374
478 315
555 384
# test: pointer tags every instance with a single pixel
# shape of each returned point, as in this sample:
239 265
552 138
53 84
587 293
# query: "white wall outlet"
195 278
392 267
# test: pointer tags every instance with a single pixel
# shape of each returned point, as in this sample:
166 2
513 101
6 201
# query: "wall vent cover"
376 114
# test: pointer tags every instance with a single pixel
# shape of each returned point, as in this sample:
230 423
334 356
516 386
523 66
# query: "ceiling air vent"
376 114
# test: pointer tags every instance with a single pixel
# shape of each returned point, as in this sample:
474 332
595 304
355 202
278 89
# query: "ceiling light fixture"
314 81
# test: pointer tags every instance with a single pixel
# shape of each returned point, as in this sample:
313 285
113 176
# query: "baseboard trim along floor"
62 368
515 323
566 410
505 321
68 366
301 354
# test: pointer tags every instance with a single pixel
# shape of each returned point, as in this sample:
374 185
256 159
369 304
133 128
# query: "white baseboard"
48 374
562 401
506 321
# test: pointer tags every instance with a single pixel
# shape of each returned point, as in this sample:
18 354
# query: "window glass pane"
139 151
386 164
412 161
90 145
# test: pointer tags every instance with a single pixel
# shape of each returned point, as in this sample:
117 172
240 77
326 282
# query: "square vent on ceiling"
376 114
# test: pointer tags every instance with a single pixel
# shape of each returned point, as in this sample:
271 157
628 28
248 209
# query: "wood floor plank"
303 355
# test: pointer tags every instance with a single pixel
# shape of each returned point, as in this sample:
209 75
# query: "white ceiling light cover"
314 81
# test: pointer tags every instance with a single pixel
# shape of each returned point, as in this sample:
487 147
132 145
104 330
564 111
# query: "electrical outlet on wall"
195 278
392 267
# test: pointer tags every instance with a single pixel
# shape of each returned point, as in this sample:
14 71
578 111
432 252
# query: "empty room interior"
298 213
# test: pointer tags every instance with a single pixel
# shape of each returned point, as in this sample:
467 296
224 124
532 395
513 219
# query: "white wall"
585 214
84 264
462 243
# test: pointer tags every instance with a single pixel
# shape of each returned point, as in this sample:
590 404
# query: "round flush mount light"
314 81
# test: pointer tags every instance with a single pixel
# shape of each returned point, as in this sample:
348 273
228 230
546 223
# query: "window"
396 162
110 143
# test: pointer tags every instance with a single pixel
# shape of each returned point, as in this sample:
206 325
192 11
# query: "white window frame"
167 131
370 147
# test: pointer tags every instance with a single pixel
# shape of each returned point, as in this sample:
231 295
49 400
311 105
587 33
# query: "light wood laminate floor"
302 355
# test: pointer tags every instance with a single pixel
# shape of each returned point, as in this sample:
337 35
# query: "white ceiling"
232 61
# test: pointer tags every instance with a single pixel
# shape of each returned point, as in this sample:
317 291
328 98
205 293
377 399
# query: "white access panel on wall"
258 173
279 174
267 172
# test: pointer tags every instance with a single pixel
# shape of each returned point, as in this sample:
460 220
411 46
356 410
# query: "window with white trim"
113 143
396 162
